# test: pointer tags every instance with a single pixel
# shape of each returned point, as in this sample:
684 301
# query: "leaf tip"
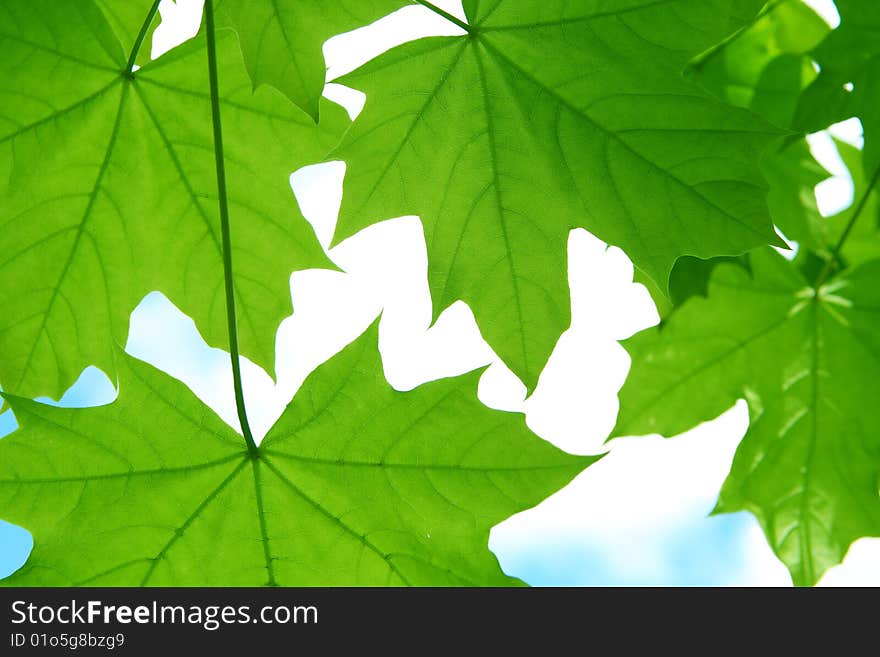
779 242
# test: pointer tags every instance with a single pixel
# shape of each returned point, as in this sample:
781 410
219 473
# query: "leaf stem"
141 36
445 14
835 253
224 228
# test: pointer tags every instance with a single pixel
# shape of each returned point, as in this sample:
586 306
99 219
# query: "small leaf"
689 277
281 41
793 174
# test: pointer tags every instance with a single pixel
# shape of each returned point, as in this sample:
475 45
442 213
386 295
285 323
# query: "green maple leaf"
108 191
281 41
808 364
357 484
849 80
545 117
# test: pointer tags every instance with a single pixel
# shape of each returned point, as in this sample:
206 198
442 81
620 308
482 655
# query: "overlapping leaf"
849 80
108 191
863 241
281 41
545 117
809 366
357 484
766 66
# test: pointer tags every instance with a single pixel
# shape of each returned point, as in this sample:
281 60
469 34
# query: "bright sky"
638 517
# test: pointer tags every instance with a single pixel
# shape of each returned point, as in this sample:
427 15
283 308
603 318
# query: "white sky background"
639 516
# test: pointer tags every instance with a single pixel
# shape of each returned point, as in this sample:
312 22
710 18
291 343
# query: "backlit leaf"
108 191
808 364
357 484
547 116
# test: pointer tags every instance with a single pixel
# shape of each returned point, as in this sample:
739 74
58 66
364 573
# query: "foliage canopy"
674 129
